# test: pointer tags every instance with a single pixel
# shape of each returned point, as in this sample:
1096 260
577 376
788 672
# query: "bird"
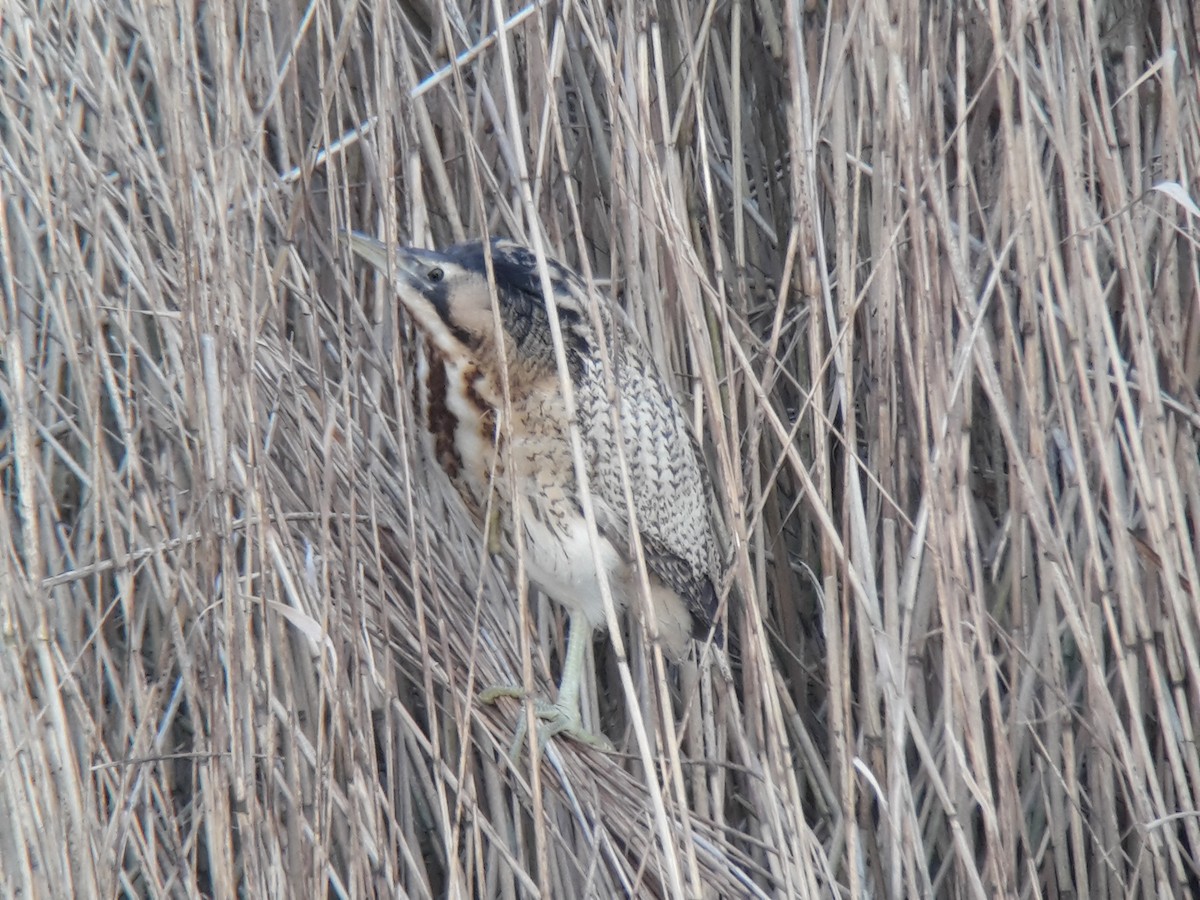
484 332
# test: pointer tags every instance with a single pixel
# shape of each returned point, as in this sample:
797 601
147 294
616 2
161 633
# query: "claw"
563 716
556 719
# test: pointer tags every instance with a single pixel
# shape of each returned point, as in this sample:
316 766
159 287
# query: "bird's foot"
556 718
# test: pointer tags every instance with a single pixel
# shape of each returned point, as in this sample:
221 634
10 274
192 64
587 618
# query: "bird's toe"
554 719
559 719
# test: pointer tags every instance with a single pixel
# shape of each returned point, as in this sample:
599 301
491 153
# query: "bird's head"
450 298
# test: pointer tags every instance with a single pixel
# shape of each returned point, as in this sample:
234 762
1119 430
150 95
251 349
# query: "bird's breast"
459 422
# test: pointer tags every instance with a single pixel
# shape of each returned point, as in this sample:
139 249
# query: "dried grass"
908 262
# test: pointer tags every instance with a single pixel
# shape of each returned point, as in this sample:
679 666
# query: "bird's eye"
435 274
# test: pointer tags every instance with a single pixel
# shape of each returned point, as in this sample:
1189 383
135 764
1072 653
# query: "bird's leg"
563 716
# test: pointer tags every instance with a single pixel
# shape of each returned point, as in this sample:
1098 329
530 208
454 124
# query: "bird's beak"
409 262
370 249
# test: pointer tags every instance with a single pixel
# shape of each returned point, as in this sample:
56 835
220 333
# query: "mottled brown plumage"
527 461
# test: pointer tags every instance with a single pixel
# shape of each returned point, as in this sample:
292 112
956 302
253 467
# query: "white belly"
559 559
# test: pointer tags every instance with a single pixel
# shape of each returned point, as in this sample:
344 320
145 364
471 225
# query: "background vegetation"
928 277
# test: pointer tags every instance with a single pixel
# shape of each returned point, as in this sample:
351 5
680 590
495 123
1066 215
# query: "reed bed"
927 278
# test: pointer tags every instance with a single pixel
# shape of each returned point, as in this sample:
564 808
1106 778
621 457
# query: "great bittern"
526 460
